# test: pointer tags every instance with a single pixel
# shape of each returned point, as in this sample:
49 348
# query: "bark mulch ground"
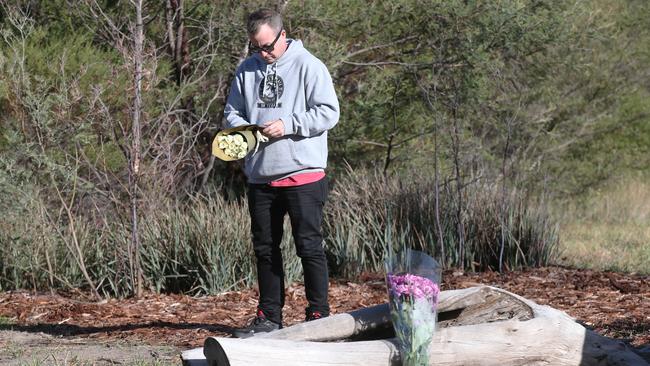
613 304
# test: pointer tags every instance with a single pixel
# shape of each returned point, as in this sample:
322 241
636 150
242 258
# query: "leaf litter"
615 305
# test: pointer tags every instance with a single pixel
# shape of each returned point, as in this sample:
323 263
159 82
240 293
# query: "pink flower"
409 285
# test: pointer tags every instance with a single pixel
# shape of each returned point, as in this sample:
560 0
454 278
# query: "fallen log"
456 307
486 326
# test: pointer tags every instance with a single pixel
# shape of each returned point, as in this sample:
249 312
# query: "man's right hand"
274 128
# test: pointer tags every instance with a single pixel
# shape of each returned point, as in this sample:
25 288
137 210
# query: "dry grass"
609 229
368 213
202 245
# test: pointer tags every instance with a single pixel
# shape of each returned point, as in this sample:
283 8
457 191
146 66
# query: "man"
289 93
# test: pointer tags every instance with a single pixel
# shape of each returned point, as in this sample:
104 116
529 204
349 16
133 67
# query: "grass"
609 229
12 350
52 361
37 353
204 245
368 213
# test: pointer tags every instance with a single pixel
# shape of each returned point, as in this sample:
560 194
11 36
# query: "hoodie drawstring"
274 68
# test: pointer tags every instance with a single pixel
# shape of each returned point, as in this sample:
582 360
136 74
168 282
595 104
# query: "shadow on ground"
69 330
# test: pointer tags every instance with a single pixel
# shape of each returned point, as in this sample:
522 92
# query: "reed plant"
369 211
203 244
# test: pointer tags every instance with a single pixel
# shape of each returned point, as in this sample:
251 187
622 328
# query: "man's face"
263 42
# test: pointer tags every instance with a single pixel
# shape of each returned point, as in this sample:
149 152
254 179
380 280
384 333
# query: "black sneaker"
314 315
259 325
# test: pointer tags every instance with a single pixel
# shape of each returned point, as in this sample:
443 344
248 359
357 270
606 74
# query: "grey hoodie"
297 89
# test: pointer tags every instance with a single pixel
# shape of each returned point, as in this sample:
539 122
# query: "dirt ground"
43 329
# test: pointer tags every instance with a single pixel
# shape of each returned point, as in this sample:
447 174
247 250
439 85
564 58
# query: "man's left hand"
274 128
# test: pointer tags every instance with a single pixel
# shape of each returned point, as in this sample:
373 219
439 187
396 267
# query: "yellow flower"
233 145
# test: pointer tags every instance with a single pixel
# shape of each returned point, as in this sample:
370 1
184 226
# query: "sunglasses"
268 48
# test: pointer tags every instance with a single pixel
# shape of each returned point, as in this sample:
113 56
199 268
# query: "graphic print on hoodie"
271 88
297 89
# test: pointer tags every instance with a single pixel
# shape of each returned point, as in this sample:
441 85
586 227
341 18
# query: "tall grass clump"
201 246
205 246
367 211
37 251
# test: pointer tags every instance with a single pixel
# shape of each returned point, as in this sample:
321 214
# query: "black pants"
304 204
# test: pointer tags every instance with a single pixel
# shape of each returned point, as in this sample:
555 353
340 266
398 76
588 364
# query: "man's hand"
274 128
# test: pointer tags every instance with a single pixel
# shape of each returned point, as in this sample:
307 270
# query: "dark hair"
263 16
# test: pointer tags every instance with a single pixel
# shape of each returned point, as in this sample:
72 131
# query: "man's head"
266 35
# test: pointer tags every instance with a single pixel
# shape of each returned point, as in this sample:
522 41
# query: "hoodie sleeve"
235 109
322 105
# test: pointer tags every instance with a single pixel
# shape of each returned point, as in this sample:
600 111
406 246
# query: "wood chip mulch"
613 304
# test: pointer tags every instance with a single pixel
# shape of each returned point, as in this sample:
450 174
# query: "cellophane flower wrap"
413 284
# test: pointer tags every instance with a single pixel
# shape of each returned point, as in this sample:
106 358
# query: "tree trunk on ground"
478 326
457 307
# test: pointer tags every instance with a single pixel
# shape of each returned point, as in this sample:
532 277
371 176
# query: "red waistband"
298 179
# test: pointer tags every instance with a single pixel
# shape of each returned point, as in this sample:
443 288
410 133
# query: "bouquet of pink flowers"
412 279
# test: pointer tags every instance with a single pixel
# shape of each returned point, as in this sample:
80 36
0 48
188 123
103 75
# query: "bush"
204 245
369 212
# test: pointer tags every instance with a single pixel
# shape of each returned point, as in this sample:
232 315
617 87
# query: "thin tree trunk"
503 197
281 6
393 134
455 138
134 171
436 182
170 13
389 153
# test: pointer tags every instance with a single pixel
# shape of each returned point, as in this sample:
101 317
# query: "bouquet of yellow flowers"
233 146
235 143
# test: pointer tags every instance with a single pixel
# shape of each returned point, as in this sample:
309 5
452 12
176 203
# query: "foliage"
205 247
369 213
472 112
